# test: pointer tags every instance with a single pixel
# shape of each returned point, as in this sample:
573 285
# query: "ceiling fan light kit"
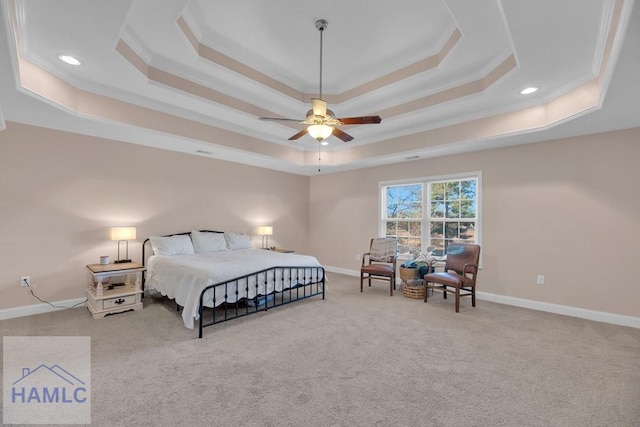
321 121
320 132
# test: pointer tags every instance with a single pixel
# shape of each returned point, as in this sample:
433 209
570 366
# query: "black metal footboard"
258 291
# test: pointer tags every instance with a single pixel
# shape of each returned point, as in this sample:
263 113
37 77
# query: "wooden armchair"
460 271
380 262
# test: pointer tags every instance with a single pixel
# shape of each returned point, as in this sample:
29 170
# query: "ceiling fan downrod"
321 25
321 122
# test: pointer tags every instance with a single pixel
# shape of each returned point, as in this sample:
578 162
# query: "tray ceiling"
444 75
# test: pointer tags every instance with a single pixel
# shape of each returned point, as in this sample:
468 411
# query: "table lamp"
265 232
122 234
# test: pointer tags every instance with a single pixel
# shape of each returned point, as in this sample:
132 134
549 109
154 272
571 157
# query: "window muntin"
453 214
431 212
403 213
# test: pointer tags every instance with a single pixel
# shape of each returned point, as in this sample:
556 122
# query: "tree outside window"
403 215
453 213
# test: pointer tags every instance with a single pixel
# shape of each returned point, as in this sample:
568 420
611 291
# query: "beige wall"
60 192
567 209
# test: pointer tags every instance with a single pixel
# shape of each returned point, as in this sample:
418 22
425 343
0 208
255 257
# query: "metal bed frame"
298 283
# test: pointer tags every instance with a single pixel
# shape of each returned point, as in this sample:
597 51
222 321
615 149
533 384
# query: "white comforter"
183 277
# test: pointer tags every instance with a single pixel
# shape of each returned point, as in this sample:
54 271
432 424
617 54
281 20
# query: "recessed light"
69 59
529 90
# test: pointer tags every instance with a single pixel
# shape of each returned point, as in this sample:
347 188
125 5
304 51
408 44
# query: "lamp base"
121 261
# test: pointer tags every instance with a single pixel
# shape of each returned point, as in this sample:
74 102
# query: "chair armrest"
466 267
364 255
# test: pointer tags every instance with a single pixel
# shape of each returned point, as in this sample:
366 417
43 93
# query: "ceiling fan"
321 121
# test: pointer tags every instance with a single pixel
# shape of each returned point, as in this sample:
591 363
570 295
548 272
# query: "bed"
216 276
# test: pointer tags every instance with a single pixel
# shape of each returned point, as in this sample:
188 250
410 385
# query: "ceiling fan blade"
365 120
342 135
298 135
319 107
280 119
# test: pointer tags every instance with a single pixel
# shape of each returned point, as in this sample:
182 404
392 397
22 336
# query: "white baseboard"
28 310
599 316
346 272
582 313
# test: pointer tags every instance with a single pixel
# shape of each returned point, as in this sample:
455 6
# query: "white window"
433 211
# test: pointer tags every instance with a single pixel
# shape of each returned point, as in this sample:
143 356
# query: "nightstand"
108 298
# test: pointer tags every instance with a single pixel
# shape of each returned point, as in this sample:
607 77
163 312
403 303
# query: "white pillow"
208 242
238 241
172 245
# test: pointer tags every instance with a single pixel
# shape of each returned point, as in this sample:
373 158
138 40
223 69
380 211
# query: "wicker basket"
407 274
412 286
414 289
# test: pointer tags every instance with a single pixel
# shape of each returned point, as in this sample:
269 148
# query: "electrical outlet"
540 279
25 281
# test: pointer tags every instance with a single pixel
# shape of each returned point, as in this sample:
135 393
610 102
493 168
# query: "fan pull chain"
319 156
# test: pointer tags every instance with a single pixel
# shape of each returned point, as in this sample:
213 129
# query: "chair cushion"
383 249
378 269
449 279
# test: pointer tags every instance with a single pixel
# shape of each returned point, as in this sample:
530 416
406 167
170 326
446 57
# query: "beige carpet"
356 360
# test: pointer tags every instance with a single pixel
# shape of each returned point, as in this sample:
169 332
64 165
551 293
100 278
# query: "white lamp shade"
266 230
320 132
122 233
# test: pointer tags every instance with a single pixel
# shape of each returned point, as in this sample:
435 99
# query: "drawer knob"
119 301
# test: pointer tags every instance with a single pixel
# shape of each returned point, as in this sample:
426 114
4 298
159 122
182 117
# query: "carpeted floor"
356 360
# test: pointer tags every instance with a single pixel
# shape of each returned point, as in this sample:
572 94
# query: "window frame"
426 203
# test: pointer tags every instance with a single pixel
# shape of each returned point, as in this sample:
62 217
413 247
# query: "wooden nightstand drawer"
121 301
103 300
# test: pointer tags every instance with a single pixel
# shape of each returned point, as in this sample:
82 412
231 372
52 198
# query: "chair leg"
426 290
473 296
361 280
457 299
444 291
392 286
